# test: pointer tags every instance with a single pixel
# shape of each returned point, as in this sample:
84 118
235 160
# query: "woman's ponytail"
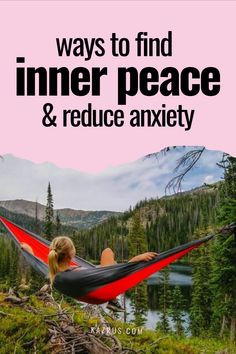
53 264
62 250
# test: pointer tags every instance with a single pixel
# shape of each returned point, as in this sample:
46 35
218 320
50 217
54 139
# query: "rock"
70 329
45 288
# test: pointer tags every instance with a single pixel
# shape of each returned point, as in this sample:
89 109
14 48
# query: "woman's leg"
107 257
27 248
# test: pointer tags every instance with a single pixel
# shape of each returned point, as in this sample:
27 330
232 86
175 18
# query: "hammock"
92 284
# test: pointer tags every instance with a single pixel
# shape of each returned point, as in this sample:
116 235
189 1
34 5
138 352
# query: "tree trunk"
232 329
223 323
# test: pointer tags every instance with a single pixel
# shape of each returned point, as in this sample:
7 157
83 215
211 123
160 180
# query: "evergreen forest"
157 225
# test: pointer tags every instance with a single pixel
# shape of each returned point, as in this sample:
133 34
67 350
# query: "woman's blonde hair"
62 250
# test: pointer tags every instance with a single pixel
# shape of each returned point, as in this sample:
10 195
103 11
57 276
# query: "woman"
62 251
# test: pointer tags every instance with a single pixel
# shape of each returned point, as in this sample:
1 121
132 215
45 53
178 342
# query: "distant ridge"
204 188
80 219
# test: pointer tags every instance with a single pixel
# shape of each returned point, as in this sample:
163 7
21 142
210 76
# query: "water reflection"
179 275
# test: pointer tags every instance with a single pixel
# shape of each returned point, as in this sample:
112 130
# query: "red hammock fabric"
95 285
40 247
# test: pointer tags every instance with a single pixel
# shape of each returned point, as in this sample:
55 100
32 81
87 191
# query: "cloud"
116 188
209 179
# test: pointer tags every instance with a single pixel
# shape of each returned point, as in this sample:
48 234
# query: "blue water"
179 275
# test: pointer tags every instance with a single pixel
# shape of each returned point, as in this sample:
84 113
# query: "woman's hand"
147 256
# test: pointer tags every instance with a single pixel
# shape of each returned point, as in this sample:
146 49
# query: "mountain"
30 224
80 219
167 222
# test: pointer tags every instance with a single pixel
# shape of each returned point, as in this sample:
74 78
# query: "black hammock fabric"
93 284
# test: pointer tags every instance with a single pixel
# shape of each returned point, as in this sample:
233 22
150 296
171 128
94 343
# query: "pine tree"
164 301
80 244
137 244
224 286
224 271
4 259
201 299
176 310
14 273
139 303
227 210
49 227
137 241
58 225
37 226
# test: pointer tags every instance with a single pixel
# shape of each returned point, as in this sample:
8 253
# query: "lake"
180 275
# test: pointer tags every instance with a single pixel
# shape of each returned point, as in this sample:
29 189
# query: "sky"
201 31
116 188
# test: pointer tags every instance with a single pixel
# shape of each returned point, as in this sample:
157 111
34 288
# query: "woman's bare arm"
147 256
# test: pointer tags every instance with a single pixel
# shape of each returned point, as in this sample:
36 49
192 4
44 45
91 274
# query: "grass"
20 327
